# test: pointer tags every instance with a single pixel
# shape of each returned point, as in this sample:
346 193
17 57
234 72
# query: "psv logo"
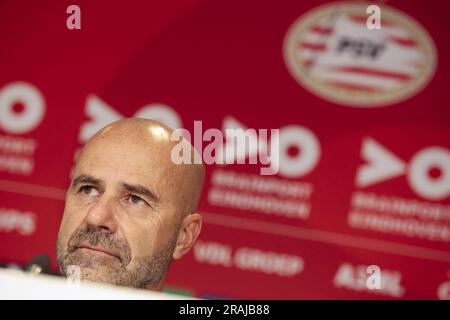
332 53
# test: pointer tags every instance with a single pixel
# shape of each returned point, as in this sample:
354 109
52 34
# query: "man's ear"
189 230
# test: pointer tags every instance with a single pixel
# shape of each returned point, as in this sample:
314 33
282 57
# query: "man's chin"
93 269
88 274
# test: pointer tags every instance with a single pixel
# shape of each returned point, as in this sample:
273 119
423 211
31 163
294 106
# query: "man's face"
120 221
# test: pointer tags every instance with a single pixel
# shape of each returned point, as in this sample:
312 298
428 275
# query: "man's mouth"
97 250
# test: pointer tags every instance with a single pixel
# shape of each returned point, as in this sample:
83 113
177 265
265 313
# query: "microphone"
39 264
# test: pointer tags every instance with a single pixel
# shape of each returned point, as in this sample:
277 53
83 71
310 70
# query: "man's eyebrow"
140 190
83 178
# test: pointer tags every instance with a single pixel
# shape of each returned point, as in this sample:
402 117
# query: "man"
129 209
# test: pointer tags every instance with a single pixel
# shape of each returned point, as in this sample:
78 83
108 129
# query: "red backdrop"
364 125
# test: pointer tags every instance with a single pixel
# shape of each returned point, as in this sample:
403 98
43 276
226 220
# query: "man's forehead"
126 160
141 152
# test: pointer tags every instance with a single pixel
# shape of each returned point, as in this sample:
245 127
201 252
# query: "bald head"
152 140
130 209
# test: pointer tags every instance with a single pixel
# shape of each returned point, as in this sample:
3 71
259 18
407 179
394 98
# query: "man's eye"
136 200
88 190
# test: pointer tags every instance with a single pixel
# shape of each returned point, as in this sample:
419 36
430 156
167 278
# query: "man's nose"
101 215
